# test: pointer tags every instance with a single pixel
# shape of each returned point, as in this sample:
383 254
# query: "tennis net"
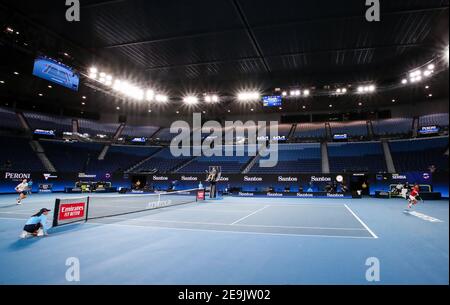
72 210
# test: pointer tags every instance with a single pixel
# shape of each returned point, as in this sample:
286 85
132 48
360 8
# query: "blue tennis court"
234 241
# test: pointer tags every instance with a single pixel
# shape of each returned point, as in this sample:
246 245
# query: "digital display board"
340 137
41 132
272 101
56 72
429 130
139 140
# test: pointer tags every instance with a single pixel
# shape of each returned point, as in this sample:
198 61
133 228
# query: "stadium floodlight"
404 81
108 80
431 67
367 89
161 98
190 100
150 95
212 98
284 93
248 96
117 85
306 93
446 54
102 77
295 93
417 76
93 71
341 91
416 79
136 93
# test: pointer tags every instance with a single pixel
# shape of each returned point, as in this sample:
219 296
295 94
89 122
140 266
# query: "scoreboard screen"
272 101
56 72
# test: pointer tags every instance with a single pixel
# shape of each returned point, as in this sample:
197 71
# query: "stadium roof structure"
225 45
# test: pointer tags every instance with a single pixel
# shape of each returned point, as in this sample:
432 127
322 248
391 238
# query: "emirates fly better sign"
72 211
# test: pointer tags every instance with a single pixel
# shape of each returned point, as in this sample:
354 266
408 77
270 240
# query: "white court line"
362 222
17 213
280 205
256 212
18 219
214 231
213 210
424 217
232 232
228 225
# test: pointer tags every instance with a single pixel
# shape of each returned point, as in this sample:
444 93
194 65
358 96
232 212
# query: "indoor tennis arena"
225 142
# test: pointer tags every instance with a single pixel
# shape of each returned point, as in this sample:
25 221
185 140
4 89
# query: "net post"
87 208
56 212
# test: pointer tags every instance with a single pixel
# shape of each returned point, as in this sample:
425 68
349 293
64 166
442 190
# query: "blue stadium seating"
121 158
420 154
439 119
397 126
356 157
229 165
42 121
19 153
94 128
71 157
295 158
163 161
164 135
310 130
139 131
9 120
353 129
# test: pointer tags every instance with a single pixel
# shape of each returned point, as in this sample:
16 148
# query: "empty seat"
48 122
393 126
310 130
9 120
357 157
420 154
17 154
295 158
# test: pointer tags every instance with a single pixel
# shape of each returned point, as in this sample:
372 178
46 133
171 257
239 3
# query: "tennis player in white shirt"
22 189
